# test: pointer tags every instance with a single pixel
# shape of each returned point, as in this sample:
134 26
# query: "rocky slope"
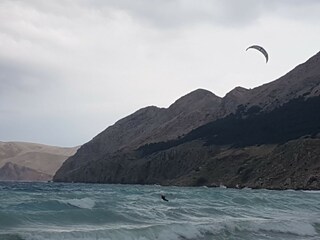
41 160
250 152
301 81
172 146
293 165
150 124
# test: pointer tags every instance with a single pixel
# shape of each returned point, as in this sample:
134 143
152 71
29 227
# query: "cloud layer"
69 69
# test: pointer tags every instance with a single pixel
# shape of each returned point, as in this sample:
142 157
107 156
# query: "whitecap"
311 191
85 203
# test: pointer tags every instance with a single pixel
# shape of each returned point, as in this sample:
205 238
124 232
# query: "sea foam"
85 203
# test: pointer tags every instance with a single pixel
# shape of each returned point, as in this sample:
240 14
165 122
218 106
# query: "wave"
44 204
311 191
241 229
10 236
294 227
85 203
138 213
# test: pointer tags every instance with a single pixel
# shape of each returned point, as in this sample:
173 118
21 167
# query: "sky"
71 68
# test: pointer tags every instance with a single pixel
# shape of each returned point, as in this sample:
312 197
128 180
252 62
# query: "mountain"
147 125
14 172
42 160
259 150
182 145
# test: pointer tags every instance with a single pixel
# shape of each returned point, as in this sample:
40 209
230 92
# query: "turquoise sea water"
97 211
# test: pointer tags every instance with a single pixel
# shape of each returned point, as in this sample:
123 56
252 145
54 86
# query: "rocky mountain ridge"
150 124
303 80
222 151
157 131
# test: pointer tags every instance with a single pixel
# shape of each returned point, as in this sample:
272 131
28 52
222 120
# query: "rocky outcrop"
39 158
175 145
14 172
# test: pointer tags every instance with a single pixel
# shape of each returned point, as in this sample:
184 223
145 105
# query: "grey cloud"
231 13
18 77
179 13
78 66
160 13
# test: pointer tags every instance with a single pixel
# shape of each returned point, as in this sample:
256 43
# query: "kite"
260 49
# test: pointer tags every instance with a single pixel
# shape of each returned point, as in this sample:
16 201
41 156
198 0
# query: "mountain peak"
200 92
237 91
196 97
233 99
9 165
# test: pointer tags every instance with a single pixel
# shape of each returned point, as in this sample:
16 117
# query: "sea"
69 211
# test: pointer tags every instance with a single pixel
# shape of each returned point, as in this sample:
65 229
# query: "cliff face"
183 143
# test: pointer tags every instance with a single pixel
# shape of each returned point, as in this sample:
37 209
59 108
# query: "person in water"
164 198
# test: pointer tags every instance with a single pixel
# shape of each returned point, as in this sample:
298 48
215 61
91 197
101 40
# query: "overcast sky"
71 68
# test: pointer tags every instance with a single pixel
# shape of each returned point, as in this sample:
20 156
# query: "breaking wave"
85 203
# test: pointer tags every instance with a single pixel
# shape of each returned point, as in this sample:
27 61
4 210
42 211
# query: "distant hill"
14 172
167 145
31 159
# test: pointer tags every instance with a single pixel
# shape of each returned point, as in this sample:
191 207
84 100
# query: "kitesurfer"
164 198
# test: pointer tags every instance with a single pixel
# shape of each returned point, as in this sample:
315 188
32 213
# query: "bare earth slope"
40 158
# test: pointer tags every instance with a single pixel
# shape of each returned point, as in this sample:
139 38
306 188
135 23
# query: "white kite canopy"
260 49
